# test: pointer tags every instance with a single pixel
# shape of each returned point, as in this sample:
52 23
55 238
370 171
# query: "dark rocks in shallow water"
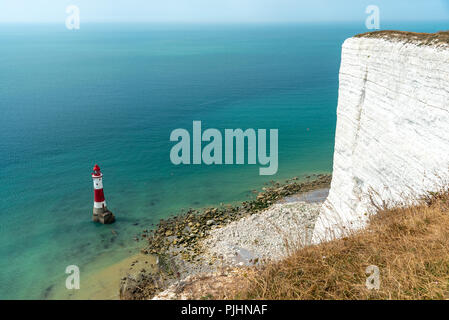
142 284
47 291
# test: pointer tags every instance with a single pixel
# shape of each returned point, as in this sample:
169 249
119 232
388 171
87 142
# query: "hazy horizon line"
223 22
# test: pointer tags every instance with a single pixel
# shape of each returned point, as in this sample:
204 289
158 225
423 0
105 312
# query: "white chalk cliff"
392 135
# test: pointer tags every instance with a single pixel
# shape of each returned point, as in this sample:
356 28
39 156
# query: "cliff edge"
392 134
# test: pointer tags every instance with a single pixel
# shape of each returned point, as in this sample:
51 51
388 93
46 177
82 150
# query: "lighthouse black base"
103 215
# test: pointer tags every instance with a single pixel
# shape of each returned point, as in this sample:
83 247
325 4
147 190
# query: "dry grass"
419 38
410 246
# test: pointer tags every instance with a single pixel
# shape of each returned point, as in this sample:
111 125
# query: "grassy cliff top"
429 39
408 245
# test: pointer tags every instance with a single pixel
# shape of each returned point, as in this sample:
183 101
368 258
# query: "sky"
221 11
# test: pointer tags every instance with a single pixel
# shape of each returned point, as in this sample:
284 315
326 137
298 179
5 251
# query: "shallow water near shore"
111 94
103 283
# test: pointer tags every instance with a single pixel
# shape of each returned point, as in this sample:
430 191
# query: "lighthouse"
101 213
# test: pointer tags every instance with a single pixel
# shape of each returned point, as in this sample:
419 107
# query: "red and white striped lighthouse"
101 212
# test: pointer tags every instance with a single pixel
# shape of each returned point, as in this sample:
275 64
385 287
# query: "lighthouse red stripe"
99 195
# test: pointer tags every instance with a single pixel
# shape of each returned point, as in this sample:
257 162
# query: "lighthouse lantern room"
100 213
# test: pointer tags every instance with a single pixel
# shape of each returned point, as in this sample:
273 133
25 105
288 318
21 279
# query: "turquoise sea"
111 94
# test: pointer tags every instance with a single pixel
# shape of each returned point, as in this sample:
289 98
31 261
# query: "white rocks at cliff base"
268 235
392 134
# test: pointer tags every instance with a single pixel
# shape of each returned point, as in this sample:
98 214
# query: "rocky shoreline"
196 243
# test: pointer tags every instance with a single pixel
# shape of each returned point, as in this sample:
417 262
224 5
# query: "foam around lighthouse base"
103 216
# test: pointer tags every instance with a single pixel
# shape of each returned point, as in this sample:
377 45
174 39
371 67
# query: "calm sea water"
111 94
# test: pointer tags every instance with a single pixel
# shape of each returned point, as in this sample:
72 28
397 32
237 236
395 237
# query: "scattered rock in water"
47 291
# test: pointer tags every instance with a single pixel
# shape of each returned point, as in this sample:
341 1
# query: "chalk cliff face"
392 136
